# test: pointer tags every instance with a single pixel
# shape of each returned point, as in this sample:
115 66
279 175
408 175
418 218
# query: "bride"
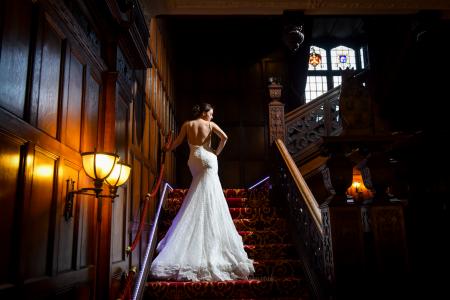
202 244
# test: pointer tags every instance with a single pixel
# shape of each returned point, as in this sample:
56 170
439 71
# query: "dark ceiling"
205 35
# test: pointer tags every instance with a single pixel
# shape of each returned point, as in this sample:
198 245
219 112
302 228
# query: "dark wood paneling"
38 215
49 63
253 135
90 115
67 228
9 172
74 98
229 173
86 229
253 171
119 227
135 206
122 127
14 55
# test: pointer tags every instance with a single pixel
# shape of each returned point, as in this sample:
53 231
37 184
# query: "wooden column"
342 222
104 211
276 113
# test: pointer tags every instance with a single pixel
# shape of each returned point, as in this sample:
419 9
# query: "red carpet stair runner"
278 270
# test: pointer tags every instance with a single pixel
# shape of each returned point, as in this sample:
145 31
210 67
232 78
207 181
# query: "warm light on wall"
358 190
101 167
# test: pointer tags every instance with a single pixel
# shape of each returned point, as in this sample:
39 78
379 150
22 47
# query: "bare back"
198 132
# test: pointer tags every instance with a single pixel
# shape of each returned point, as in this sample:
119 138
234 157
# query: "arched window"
325 66
342 58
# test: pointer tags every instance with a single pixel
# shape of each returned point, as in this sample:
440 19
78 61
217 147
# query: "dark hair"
198 109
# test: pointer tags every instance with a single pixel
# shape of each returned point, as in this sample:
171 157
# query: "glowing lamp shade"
119 174
98 165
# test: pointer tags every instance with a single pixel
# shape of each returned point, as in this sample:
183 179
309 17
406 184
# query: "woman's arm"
223 137
180 137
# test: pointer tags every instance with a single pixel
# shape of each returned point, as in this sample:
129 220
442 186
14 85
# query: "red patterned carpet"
278 273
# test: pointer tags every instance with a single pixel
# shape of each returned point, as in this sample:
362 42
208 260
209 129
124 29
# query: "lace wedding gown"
202 243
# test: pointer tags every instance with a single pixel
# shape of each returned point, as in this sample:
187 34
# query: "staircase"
278 270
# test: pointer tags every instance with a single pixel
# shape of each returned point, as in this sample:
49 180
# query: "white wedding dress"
202 244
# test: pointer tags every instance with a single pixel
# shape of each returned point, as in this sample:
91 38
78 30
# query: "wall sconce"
100 166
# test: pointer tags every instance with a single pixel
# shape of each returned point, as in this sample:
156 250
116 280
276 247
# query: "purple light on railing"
259 182
147 252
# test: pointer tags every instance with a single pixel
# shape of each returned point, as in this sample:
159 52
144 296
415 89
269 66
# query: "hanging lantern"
314 58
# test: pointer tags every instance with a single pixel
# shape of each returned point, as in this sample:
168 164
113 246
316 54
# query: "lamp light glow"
119 174
98 165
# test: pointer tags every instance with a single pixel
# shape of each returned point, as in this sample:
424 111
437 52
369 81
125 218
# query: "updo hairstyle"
198 109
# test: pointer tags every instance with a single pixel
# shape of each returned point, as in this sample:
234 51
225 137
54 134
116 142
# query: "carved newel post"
342 223
276 111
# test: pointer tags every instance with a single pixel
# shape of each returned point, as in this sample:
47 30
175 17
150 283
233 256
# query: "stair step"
262 237
253 212
278 271
240 193
260 224
237 289
270 251
277 268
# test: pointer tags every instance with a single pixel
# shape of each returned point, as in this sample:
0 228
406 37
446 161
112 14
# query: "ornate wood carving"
306 125
276 120
308 237
355 105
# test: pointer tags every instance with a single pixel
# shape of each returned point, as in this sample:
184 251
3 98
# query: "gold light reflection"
45 171
10 160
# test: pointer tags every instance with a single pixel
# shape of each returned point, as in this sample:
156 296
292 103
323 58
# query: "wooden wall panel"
135 205
38 215
90 116
48 103
122 128
74 102
119 227
14 55
120 205
146 140
9 172
67 228
86 230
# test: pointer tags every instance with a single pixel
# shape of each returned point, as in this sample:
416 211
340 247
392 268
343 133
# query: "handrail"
125 293
149 196
139 286
295 113
310 201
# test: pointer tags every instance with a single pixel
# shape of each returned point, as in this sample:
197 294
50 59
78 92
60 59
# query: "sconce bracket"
71 192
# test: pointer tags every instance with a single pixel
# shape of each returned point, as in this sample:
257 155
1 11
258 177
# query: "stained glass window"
323 65
343 57
322 77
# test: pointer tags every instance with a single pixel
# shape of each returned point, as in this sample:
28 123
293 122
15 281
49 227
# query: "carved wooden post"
276 112
342 222
387 222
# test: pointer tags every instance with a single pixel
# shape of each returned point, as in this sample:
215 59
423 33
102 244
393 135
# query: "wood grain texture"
9 176
14 54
